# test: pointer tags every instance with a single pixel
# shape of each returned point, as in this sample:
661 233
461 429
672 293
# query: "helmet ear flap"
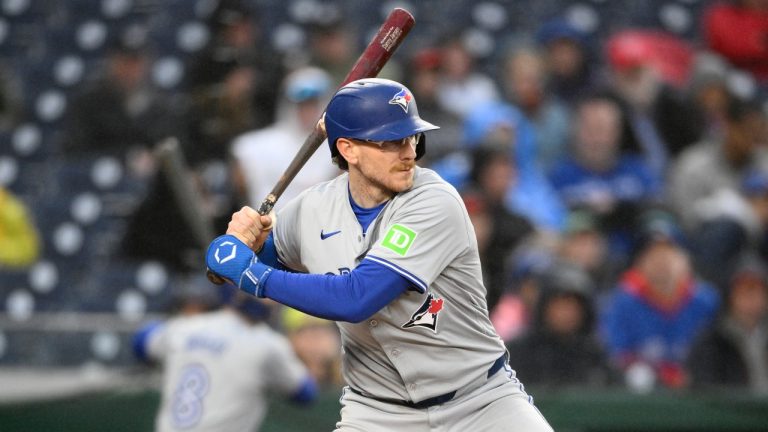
421 146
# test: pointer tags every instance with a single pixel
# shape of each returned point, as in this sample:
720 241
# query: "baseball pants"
497 405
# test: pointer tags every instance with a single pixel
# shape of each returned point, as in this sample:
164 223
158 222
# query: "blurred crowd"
618 187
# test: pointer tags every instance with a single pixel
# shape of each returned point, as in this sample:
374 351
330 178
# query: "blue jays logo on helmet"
403 98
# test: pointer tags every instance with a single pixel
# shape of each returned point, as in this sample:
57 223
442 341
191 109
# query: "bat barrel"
391 34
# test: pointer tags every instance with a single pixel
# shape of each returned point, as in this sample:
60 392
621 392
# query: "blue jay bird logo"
403 98
426 315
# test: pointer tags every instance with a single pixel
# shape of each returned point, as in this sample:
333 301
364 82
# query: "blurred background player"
219 366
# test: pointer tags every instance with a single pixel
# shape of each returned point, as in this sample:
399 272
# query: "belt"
437 400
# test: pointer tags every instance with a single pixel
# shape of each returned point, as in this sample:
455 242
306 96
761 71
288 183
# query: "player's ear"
347 149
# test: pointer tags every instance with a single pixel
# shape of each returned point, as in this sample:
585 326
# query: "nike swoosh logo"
324 236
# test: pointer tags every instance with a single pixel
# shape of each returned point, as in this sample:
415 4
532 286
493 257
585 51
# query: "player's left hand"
233 260
250 227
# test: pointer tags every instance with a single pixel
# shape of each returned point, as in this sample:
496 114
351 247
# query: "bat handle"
213 278
268 204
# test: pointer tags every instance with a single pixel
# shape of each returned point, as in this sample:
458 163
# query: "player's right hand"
250 227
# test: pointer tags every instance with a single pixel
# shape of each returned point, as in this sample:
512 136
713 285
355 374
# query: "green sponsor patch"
399 239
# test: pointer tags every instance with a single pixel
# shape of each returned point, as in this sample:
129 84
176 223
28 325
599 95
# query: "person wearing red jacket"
738 30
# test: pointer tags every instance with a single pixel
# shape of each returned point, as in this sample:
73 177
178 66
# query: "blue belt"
437 400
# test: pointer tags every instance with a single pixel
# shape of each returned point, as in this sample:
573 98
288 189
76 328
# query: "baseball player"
388 251
219 365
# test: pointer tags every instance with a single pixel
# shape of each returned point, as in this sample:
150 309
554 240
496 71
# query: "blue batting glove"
231 259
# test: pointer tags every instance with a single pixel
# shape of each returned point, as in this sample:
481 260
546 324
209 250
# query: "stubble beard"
393 181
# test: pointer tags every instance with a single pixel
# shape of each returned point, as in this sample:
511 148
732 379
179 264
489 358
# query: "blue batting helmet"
374 109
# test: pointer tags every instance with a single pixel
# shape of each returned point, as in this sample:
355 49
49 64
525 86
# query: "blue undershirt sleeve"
351 297
141 339
268 253
306 393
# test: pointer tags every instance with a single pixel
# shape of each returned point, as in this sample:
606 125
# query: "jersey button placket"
373 323
395 352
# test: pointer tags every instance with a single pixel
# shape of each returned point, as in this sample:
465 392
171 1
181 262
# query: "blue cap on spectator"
658 226
755 183
307 83
559 28
529 262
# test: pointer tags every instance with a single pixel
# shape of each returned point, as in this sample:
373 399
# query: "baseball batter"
388 251
218 367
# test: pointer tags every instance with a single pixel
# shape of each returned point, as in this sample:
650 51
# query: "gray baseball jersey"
434 338
217 370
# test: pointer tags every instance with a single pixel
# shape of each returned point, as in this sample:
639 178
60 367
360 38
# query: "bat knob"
214 278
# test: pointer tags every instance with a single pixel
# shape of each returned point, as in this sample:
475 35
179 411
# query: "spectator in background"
738 30
513 314
120 114
584 244
657 309
219 366
524 78
709 166
11 101
462 87
661 122
217 116
498 124
236 65
332 44
734 222
568 59
560 349
261 156
734 353
597 176
19 240
710 92
498 230
423 78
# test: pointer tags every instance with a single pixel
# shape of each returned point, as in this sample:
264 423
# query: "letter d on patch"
399 239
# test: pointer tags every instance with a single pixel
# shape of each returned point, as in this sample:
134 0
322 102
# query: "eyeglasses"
396 145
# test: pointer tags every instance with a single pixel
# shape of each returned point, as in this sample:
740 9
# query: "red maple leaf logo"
435 306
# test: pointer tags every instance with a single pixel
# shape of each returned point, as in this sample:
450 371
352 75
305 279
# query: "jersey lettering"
215 346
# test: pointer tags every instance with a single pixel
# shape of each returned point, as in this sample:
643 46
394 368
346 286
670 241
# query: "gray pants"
496 405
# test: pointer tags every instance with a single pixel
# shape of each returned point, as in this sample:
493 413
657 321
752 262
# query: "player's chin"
402 181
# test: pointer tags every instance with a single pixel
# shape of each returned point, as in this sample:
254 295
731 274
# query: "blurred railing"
569 411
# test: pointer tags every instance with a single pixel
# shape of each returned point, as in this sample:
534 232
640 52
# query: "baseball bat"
390 35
